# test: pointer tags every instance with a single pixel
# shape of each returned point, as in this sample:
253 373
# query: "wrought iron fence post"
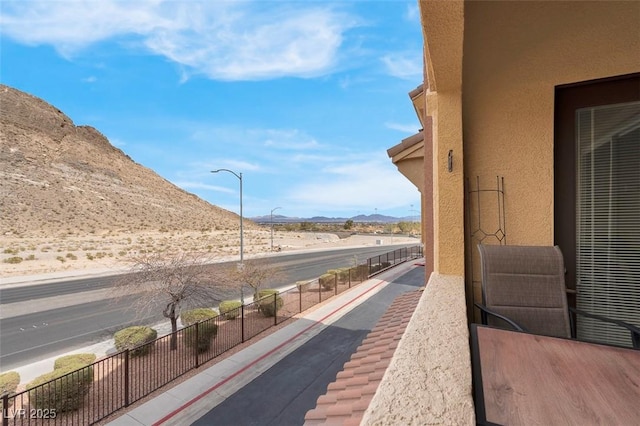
300 298
335 284
319 292
242 322
5 409
275 308
126 377
350 277
197 343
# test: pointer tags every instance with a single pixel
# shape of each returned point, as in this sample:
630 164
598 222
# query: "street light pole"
239 176
273 210
241 265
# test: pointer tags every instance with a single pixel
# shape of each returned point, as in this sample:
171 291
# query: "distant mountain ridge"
373 218
57 178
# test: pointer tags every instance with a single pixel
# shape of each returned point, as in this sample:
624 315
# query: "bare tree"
173 282
254 273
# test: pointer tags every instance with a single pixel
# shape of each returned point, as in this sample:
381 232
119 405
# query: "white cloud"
248 40
403 127
405 65
359 187
90 79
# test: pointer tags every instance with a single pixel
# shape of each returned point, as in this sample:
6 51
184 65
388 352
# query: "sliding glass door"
608 218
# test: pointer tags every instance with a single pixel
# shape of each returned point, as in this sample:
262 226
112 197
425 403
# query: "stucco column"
443 29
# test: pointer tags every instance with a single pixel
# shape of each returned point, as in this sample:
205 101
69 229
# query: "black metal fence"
89 394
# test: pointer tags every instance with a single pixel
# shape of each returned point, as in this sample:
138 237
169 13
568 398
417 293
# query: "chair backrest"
526 284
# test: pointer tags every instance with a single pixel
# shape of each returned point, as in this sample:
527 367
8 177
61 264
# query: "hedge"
65 361
9 382
230 309
265 302
196 315
207 328
303 286
327 281
134 339
62 389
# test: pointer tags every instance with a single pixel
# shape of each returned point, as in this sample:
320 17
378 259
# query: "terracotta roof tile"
348 397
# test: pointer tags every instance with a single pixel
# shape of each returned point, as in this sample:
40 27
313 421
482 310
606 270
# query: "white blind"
608 222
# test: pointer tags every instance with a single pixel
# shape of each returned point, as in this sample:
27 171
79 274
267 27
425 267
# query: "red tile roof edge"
349 395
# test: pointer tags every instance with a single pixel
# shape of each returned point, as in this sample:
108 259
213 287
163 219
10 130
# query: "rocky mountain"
57 178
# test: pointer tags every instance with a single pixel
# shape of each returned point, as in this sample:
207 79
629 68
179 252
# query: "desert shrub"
9 382
303 286
13 260
133 337
207 328
76 359
266 305
341 273
327 281
261 294
360 272
196 315
63 389
230 309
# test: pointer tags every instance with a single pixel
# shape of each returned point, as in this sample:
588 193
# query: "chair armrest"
512 323
635 331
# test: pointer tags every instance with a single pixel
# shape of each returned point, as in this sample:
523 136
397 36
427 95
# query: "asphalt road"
283 394
42 324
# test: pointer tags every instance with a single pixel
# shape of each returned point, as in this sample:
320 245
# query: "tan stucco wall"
428 381
443 34
515 53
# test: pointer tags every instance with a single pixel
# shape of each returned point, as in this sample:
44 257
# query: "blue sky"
303 98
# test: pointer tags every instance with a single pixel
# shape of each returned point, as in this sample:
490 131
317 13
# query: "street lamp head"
238 175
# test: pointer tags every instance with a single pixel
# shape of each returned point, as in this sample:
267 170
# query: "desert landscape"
71 201
112 251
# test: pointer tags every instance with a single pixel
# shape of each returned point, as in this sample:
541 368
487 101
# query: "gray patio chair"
524 287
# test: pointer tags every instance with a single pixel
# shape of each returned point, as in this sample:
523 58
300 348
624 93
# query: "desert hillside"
59 179
70 200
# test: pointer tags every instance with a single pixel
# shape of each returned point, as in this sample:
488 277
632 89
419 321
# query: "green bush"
9 382
303 286
196 315
13 260
133 337
327 281
261 294
360 272
342 273
207 328
230 309
63 389
76 359
267 307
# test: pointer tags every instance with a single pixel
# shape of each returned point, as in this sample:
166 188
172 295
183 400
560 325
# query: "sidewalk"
190 400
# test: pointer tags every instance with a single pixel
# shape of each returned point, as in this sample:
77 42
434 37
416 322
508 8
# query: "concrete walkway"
266 383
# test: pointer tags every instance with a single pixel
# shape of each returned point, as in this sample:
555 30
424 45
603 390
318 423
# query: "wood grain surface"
537 380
